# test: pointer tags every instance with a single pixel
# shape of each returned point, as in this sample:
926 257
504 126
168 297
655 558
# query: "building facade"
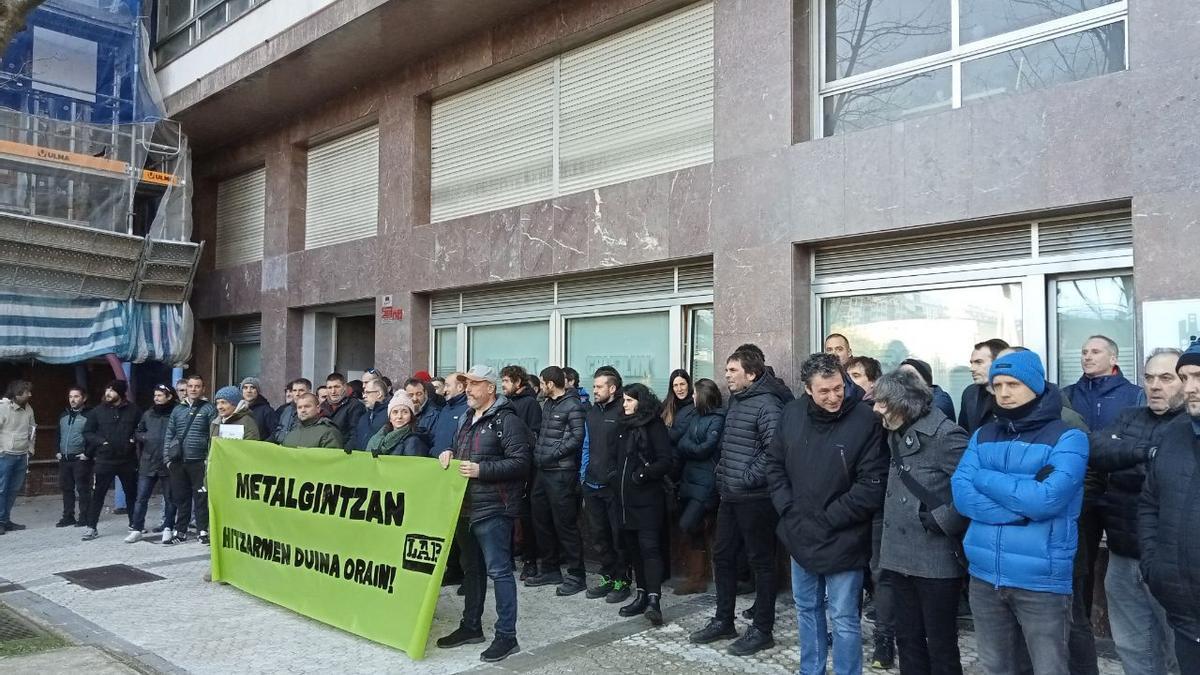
650 183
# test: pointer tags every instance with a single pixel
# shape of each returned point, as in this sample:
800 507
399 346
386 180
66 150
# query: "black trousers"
645 550
881 593
752 525
104 480
926 623
602 515
555 501
76 476
1187 653
529 543
187 488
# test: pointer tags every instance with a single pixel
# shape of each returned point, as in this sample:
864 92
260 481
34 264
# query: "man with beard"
110 435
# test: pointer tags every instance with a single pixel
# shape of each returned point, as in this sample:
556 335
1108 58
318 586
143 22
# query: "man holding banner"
492 445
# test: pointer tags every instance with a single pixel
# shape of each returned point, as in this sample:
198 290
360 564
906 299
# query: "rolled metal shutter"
241 216
493 146
638 103
342 203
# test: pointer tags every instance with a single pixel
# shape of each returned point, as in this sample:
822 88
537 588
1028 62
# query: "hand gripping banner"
351 540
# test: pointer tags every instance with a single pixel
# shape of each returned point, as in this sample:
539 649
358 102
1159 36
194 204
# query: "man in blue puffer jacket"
1102 392
1021 484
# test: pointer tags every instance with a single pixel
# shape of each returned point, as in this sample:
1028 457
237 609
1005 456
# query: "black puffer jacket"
151 433
645 457
110 434
264 416
344 416
1121 451
828 474
696 448
750 424
560 442
1168 514
499 442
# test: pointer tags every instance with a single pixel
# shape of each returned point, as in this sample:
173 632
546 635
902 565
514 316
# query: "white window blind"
635 104
342 203
639 103
241 214
493 146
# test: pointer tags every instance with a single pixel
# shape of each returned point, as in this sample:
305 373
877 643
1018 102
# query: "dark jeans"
926 623
601 510
752 525
645 549
556 518
104 480
145 490
1007 617
882 595
76 476
187 487
1187 652
486 553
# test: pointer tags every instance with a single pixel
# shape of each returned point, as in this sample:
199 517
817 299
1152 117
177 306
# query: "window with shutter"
241 215
342 203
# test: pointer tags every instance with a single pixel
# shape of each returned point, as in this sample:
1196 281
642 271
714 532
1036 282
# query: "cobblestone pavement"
183 624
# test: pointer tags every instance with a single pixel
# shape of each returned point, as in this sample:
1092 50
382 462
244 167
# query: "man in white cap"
492 447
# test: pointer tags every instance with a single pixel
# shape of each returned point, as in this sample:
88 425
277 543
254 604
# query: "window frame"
959 53
192 26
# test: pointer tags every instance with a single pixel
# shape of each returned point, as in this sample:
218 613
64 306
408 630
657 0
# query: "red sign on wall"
392 314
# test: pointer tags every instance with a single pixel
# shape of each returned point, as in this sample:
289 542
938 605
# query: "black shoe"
715 630
570 586
461 636
528 570
120 512
748 613
602 589
745 587
619 593
751 642
547 578
500 649
177 539
637 606
13 527
65 521
653 611
462 591
884 656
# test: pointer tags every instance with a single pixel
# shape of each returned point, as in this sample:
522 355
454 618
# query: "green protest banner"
355 541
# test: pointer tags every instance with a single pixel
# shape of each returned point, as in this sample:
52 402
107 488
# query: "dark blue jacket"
1101 399
943 402
1023 532
446 425
697 447
371 421
426 420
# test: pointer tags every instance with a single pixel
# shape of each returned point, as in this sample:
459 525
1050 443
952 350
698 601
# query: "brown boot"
696 562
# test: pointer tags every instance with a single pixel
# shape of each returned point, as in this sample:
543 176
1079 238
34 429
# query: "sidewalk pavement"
183 624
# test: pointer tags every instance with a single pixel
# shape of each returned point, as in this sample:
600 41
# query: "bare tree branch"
13 14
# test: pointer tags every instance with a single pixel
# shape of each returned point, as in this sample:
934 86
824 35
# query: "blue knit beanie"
231 394
1024 366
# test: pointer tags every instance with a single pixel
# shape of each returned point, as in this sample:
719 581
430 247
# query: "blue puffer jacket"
1023 532
446 425
1101 399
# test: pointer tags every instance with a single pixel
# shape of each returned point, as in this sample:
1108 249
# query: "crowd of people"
873 482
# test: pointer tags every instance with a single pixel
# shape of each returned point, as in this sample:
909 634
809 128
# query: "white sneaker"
167 533
133 537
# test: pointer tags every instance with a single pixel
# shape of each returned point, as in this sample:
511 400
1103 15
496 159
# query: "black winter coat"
697 448
645 458
264 416
602 421
1168 516
499 442
828 474
778 386
1121 451
525 405
151 434
975 409
110 434
560 442
344 417
750 425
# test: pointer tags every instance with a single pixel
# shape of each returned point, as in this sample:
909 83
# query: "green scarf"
384 441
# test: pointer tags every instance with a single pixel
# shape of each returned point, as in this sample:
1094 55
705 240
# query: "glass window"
701 340
172 14
247 361
212 22
1096 306
937 326
445 351
862 35
981 19
1074 57
524 344
889 102
638 345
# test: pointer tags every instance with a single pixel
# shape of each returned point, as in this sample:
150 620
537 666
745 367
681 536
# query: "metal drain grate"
108 576
13 627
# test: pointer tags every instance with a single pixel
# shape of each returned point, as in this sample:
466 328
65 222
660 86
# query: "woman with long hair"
679 400
696 448
644 456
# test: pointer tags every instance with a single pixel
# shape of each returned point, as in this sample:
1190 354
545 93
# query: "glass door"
1084 306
